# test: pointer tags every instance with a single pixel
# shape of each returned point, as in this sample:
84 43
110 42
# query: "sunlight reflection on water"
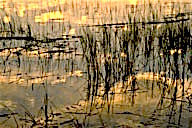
69 86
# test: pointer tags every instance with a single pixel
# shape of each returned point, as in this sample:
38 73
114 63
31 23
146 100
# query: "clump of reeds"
123 44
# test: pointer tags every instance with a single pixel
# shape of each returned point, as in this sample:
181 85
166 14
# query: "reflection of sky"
45 3
54 10
22 5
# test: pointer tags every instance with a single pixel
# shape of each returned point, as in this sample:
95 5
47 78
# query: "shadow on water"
118 74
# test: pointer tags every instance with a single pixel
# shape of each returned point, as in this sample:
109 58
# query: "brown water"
25 81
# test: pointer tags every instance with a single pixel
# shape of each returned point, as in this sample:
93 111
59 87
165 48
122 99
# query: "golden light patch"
9 52
33 6
52 3
147 76
5 52
42 19
21 12
172 51
3 5
31 101
9 10
38 19
123 54
84 19
7 19
45 17
60 81
7 103
125 28
133 2
161 54
72 31
56 15
64 35
159 26
179 51
82 103
78 73
35 52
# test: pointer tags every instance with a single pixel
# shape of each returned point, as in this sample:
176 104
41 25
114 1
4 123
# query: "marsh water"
101 66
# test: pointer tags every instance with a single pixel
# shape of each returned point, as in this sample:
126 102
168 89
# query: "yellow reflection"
35 53
9 52
5 52
77 73
21 12
133 2
125 28
84 19
2 5
123 54
169 11
56 14
7 19
130 1
9 10
52 3
38 19
31 101
45 17
33 6
172 51
147 76
72 31
59 81
159 26
82 103
179 51
7 103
